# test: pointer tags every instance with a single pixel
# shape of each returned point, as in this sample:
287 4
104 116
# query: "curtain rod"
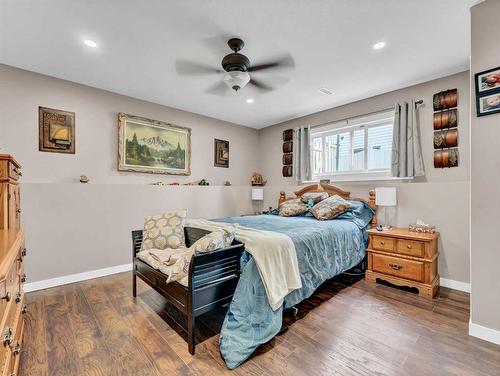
419 102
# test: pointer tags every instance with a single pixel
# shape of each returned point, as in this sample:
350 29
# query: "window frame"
350 125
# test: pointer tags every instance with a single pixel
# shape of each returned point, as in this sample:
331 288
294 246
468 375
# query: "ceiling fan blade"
219 88
190 67
283 62
260 85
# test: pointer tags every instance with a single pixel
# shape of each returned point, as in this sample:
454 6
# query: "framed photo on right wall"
488 92
488 104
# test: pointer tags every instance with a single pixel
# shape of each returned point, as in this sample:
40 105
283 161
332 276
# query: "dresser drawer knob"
408 246
395 266
7 336
23 278
25 309
382 242
7 297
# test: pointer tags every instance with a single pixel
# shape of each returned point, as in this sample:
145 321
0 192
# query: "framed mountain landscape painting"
153 146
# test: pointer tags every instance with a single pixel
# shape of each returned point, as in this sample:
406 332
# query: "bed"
324 249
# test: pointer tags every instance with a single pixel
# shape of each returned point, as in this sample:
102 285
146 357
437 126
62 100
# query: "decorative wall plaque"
56 130
221 153
287 152
445 123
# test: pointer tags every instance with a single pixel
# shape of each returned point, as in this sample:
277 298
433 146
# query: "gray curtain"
406 151
302 154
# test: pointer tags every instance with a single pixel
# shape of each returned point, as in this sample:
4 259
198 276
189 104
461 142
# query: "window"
353 149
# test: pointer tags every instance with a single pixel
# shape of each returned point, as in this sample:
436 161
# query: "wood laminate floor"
346 328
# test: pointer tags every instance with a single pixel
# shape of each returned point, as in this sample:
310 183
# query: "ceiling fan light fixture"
236 80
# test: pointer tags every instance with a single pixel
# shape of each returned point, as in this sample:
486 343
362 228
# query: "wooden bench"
213 278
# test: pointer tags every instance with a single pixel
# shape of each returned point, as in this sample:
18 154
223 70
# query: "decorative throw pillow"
210 242
314 196
330 208
164 231
293 207
228 237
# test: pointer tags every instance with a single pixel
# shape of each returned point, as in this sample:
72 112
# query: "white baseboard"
72 278
488 334
455 285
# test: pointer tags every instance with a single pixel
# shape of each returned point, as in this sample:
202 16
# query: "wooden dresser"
12 278
404 258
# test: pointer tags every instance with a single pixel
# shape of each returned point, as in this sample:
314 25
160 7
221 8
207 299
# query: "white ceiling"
330 41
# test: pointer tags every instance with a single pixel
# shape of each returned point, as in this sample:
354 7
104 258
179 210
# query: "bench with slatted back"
212 277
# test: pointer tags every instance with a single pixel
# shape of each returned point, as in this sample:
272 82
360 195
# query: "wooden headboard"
333 190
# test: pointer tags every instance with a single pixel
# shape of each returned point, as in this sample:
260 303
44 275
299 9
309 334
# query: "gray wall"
440 198
86 227
485 177
72 228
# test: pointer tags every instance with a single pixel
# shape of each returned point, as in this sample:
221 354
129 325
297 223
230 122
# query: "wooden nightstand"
404 258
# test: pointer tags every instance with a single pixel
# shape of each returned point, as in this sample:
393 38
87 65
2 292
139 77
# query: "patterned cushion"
164 231
330 208
314 196
148 259
211 242
293 207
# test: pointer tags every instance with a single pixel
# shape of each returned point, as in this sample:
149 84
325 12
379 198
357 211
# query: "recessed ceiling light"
325 91
250 100
90 43
379 45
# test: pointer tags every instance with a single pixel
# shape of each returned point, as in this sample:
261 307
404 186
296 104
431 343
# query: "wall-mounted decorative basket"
445 99
445 119
287 153
445 122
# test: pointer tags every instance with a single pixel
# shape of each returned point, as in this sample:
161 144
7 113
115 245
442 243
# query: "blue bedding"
324 250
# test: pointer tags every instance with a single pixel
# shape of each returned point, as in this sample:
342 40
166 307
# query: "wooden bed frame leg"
190 339
134 284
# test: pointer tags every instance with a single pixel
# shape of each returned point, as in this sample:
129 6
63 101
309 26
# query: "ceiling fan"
236 70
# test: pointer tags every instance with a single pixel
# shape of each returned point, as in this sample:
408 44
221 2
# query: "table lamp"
385 197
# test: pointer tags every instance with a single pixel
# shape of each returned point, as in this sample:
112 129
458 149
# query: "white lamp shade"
257 194
385 196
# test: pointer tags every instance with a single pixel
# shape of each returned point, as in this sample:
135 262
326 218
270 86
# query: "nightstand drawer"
411 247
402 268
382 243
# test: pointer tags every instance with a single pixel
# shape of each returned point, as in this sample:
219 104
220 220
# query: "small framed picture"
487 80
56 129
488 104
221 153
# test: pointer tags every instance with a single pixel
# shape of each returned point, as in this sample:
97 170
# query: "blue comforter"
324 250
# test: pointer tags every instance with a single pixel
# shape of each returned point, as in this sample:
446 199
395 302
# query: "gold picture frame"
153 146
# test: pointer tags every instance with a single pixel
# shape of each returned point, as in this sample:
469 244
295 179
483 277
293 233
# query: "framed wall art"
487 80
488 92
56 130
221 153
153 146
488 104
